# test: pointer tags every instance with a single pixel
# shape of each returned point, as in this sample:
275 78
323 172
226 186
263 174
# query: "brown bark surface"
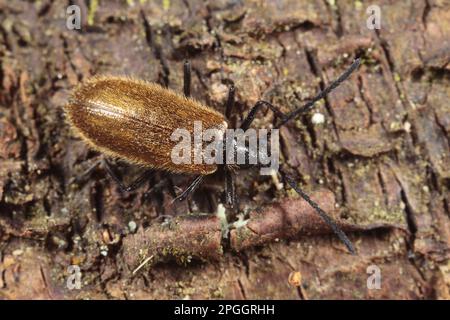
380 163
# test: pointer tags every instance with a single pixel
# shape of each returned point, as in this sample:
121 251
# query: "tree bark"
382 152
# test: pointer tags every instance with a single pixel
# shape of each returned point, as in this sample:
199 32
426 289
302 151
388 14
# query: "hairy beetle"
134 119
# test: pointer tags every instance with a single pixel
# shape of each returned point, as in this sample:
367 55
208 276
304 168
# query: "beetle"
133 120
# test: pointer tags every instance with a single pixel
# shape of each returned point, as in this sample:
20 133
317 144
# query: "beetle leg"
187 78
190 189
230 191
132 186
328 220
230 102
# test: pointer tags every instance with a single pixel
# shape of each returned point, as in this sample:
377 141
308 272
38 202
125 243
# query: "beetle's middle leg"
132 186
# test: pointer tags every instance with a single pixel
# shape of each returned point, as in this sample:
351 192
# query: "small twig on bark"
201 236
182 238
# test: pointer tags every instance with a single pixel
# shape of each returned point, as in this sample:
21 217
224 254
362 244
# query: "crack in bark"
426 11
412 227
318 73
336 13
383 188
409 214
69 57
156 49
188 6
390 64
366 102
242 289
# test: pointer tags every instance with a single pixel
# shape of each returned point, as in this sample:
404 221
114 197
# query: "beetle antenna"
328 220
308 106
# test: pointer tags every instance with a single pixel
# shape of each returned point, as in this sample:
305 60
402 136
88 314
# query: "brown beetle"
133 120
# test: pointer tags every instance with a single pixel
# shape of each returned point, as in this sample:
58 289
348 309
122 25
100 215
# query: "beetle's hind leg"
132 186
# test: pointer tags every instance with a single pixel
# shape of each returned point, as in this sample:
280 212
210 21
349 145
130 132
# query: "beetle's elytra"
134 119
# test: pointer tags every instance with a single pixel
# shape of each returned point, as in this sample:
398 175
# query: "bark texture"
382 153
